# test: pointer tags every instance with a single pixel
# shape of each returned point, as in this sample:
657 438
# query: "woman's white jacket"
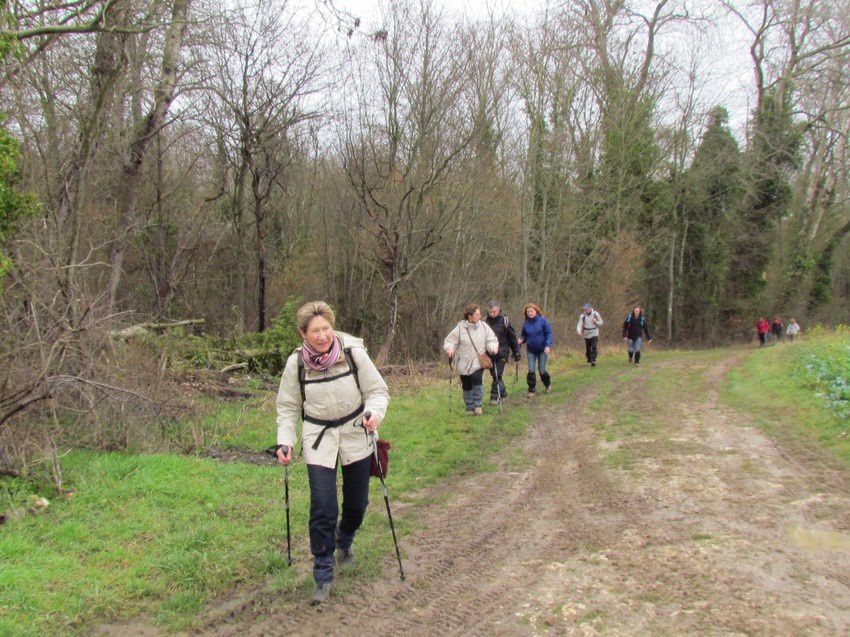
461 339
329 401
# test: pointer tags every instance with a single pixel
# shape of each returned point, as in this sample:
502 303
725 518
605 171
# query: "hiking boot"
479 410
549 389
321 593
470 412
494 402
531 394
593 363
344 556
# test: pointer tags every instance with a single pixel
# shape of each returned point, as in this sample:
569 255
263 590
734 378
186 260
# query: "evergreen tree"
772 155
712 192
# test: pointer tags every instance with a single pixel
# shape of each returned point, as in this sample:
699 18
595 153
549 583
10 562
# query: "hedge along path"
646 507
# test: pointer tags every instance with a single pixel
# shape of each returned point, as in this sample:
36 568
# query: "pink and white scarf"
321 362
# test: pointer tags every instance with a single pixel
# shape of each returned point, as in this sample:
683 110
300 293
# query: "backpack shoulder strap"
302 376
352 364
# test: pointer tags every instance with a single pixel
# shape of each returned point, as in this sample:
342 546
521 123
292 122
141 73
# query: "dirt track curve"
712 528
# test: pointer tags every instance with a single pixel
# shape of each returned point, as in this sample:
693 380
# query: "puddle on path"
812 539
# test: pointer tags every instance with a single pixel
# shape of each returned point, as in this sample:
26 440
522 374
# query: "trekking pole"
373 440
499 387
272 451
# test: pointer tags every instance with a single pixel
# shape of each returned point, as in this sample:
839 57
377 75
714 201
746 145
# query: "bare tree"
260 90
401 145
142 135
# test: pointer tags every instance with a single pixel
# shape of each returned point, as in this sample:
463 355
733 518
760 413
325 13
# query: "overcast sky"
723 48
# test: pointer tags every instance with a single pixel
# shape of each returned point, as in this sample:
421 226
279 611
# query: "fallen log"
143 329
234 368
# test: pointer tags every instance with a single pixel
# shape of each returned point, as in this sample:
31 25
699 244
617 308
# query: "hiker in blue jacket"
537 336
634 327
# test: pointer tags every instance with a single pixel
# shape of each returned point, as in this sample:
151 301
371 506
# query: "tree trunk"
131 172
261 266
671 286
389 334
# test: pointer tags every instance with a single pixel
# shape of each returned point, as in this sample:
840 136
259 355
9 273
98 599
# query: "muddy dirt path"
711 528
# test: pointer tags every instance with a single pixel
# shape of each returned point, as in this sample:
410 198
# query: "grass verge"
775 387
160 536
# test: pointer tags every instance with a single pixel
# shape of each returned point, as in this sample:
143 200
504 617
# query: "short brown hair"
307 311
470 310
532 305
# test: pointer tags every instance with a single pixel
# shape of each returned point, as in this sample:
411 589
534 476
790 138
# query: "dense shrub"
825 365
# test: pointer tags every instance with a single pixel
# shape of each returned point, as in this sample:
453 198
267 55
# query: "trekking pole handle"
272 451
367 416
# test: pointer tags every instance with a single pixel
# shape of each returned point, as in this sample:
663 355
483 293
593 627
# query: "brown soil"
713 529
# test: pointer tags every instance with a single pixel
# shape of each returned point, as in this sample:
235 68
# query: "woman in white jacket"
469 338
330 383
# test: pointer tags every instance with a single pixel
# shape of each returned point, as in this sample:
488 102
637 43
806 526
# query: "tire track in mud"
481 547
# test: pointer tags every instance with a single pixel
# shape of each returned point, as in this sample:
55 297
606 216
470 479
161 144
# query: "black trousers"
590 348
498 368
475 378
324 511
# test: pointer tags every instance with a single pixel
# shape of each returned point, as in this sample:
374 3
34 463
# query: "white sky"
723 52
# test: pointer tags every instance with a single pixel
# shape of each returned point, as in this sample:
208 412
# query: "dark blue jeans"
325 534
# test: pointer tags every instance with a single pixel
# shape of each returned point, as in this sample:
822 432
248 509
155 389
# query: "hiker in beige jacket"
330 383
469 338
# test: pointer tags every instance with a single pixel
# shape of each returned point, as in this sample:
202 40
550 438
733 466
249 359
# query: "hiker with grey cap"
589 322
508 345
334 388
471 345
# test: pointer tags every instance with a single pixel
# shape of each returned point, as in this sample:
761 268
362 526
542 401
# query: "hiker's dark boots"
531 379
630 356
344 556
321 593
547 381
637 358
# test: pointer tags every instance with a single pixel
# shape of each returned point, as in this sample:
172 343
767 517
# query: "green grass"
162 535
773 386
243 424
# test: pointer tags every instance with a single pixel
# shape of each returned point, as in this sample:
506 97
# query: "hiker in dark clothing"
634 327
776 329
508 345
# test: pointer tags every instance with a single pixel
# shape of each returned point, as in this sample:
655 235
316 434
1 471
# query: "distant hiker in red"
762 328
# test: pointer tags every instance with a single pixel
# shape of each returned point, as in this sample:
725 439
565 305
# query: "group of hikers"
479 343
773 330
331 385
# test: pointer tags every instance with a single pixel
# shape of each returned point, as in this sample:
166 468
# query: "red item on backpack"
383 447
